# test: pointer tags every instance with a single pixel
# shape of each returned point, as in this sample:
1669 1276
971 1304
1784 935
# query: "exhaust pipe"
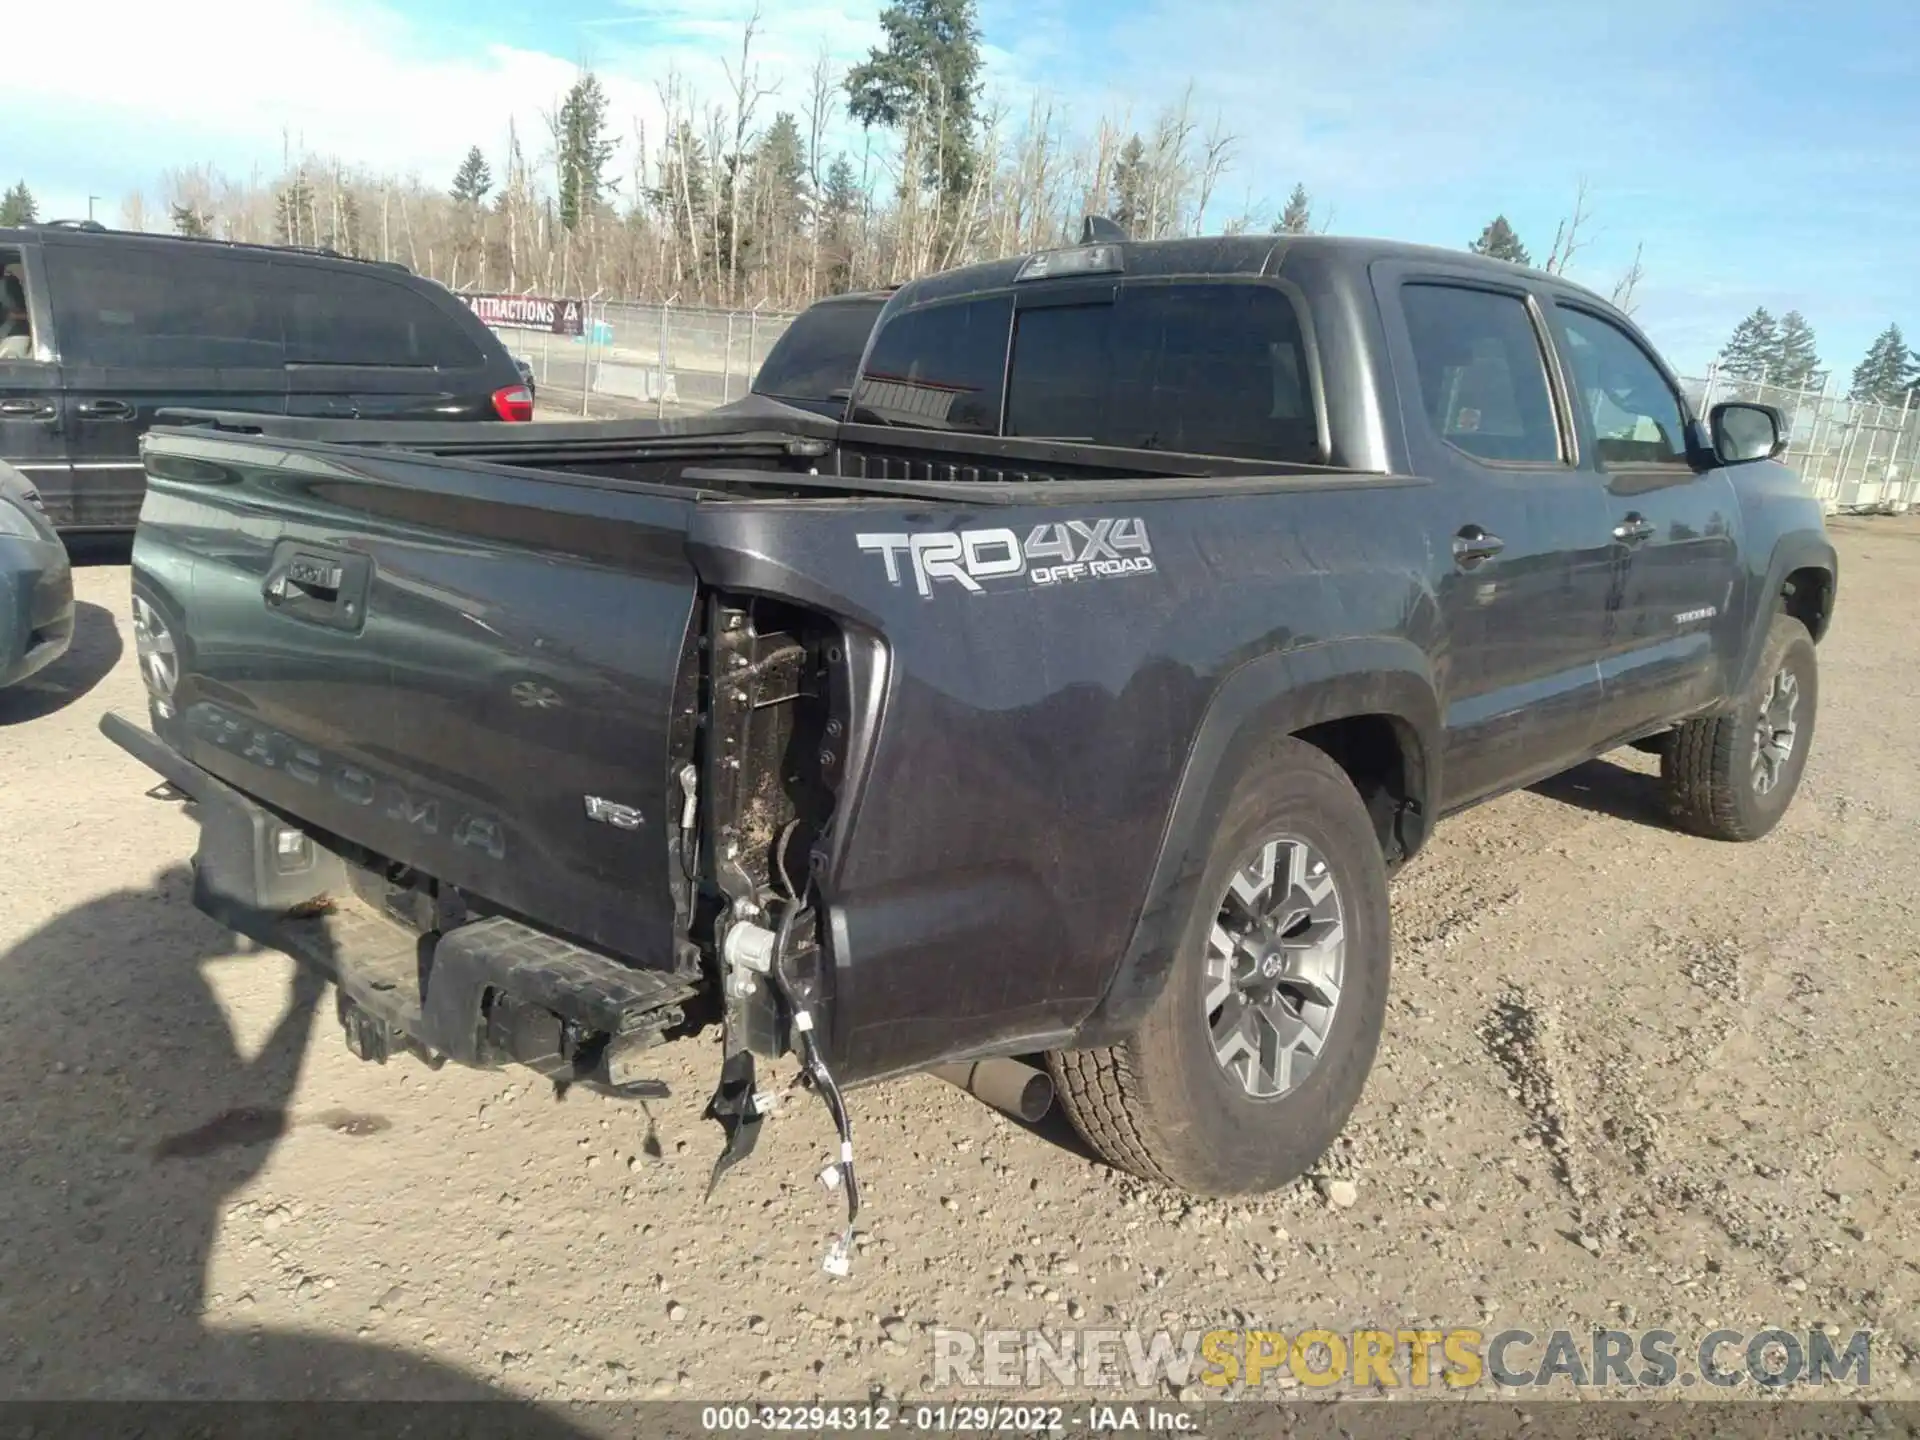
1008 1086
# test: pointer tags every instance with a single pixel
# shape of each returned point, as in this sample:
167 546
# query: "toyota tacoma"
1070 698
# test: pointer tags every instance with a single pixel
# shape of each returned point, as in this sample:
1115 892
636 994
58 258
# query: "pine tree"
473 179
344 226
17 206
1752 352
1297 218
1128 207
682 196
190 222
839 206
927 73
1499 242
582 150
293 212
1887 372
780 160
1796 358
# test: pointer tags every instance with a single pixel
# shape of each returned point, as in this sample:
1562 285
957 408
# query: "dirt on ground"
1630 1080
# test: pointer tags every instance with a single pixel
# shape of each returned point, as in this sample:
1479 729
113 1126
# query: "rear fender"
1275 695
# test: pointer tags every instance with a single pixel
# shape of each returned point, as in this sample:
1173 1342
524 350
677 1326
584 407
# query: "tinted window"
1483 380
1636 417
938 368
819 352
16 322
346 317
161 307
1209 369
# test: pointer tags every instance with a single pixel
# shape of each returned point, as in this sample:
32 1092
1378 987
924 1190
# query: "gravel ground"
1629 1079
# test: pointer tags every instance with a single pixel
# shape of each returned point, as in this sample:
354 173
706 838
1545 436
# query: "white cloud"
235 82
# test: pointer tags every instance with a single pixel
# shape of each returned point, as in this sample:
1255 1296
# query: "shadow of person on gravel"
128 1120
1609 789
95 650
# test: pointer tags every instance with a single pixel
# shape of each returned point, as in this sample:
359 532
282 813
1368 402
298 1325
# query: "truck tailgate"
475 680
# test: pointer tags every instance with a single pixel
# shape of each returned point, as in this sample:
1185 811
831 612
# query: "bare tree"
726 203
1627 284
748 92
1217 156
1567 239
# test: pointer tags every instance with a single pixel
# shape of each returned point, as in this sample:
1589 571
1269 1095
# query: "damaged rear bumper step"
484 993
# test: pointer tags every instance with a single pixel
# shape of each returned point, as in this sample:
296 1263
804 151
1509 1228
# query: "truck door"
30 436
1520 545
1673 528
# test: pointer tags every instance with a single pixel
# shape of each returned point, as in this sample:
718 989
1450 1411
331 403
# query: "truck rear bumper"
486 992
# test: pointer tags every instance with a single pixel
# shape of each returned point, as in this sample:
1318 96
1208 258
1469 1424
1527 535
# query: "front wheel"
1259 1044
1732 776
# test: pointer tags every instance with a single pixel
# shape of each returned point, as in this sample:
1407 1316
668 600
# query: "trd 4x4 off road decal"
1052 554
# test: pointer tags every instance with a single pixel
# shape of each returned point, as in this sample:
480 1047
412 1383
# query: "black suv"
101 329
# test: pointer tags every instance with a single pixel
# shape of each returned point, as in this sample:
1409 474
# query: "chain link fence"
648 360
1853 455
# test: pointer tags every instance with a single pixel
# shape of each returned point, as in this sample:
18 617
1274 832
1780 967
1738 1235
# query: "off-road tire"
1159 1104
1708 769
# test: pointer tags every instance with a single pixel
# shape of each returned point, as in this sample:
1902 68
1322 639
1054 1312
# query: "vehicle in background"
525 367
100 329
36 583
812 365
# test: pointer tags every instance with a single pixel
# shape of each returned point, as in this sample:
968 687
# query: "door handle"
103 409
38 408
1473 544
1632 530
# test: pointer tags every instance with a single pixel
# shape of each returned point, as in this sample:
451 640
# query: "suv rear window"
819 352
341 317
152 308
940 368
1204 368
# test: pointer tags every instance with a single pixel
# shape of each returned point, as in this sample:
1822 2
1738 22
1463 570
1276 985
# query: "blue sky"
1763 152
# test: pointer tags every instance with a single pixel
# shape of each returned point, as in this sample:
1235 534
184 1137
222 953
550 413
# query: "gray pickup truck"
1069 700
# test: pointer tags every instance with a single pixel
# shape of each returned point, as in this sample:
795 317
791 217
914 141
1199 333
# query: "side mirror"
1743 432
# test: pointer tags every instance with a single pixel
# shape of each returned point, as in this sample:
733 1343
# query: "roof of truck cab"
1226 255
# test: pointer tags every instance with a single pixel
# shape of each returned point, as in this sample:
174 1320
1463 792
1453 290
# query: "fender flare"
1801 550
1274 695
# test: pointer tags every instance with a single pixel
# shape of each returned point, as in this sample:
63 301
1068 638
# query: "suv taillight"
515 402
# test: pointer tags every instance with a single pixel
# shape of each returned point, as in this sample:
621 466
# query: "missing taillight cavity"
513 403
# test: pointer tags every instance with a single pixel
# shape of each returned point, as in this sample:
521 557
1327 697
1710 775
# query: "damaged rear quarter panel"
995 857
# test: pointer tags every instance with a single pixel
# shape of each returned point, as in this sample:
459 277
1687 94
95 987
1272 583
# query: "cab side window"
1483 375
1635 414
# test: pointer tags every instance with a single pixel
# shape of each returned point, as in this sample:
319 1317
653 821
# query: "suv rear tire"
1732 776
1242 1074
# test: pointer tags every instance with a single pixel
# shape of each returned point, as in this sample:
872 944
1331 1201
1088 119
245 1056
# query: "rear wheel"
1259 1045
1732 776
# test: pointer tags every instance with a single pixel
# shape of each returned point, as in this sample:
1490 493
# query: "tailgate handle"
324 587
